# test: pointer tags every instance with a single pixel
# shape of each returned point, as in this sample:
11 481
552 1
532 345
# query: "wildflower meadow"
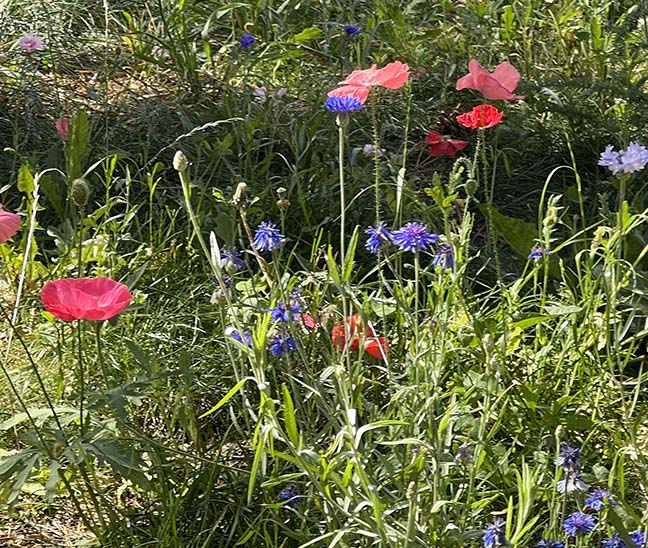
324 274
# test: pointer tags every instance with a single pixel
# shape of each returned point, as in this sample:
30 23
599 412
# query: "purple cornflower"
283 313
340 103
289 495
568 457
634 158
494 534
234 334
352 30
30 43
444 257
247 40
550 544
231 260
598 499
571 482
268 237
378 236
414 236
463 455
222 292
579 523
281 345
537 253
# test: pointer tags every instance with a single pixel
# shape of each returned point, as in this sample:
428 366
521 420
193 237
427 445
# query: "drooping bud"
240 195
180 162
80 191
282 202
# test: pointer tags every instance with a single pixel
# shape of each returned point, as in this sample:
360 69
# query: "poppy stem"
81 375
100 358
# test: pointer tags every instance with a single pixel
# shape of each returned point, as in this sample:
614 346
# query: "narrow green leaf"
289 416
227 397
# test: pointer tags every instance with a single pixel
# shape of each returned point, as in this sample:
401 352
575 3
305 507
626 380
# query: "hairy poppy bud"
180 162
80 192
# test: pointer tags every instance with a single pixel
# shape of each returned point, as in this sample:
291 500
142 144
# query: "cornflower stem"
341 123
417 268
376 155
622 191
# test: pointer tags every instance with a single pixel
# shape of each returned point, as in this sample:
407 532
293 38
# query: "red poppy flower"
444 145
85 298
481 116
9 223
499 85
373 345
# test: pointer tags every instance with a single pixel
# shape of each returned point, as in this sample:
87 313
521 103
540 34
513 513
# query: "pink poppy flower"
9 223
359 92
499 85
482 116
392 76
440 144
30 43
95 299
363 77
63 128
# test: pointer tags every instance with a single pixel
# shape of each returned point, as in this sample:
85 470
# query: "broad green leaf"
307 34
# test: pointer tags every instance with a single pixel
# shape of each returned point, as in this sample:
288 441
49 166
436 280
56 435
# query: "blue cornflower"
337 103
227 282
231 260
378 236
568 457
550 544
281 345
634 158
638 537
598 499
283 313
571 482
234 334
494 534
444 257
352 30
289 495
414 236
247 40
579 523
537 253
268 237
222 292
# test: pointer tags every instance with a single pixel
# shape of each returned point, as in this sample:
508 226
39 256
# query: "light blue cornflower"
599 498
443 257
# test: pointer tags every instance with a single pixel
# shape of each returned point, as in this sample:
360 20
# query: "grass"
192 439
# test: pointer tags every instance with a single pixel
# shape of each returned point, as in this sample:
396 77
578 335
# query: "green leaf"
289 416
520 235
227 397
25 180
307 34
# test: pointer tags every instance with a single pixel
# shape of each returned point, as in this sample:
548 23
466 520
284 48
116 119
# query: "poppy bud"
240 195
282 203
180 162
80 192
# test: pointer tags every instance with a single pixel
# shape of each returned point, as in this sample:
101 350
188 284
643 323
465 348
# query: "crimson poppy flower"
440 144
373 345
9 223
482 116
96 299
499 85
